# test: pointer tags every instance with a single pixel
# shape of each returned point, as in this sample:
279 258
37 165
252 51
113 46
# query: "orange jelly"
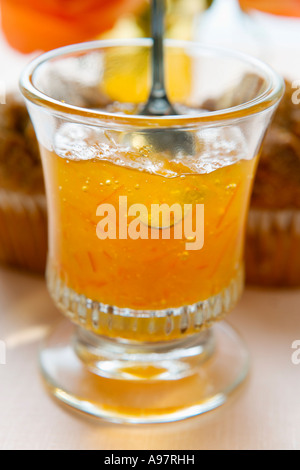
150 274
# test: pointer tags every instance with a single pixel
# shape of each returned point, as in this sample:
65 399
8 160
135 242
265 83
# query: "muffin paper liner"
272 250
23 230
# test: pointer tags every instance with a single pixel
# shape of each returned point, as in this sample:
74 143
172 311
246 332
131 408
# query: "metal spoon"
158 103
174 141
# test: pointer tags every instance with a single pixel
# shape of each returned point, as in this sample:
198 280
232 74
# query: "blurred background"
268 29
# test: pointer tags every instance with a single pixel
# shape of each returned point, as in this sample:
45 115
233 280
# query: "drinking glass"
146 222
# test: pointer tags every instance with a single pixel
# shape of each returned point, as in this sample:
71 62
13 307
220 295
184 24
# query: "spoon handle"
158 103
157 28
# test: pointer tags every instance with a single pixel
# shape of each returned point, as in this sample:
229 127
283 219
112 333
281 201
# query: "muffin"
272 247
23 213
272 250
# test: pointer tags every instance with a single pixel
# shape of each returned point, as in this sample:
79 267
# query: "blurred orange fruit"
48 24
275 7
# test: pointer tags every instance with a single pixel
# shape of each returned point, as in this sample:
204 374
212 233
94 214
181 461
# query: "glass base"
143 383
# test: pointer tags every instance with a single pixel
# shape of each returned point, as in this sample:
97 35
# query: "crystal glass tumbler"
146 222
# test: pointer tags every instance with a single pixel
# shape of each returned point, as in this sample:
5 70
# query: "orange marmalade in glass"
151 288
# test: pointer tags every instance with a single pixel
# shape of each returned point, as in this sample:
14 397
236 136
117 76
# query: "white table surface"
263 414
